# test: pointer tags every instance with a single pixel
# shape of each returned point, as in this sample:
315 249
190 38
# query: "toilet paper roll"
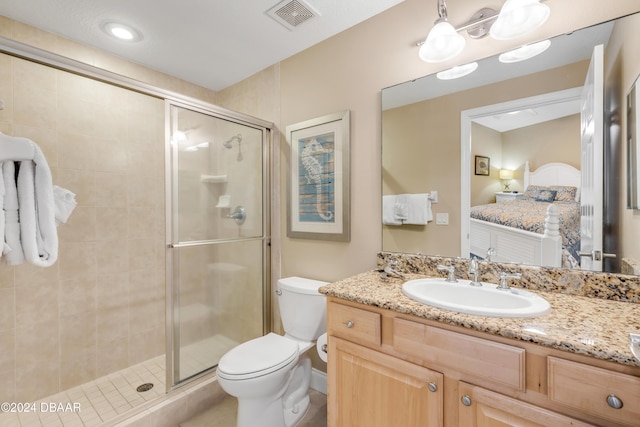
321 347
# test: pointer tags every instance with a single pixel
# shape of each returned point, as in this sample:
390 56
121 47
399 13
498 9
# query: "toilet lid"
258 357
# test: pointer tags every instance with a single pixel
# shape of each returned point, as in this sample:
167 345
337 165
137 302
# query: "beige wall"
487 143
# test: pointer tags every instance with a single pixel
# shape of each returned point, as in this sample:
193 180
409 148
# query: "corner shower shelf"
213 179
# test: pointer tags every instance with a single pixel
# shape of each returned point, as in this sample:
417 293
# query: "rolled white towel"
38 232
65 203
16 149
13 246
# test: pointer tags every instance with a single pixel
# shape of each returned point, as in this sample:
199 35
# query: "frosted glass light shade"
506 174
518 17
457 71
525 52
442 43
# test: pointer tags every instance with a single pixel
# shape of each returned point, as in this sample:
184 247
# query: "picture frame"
483 165
318 182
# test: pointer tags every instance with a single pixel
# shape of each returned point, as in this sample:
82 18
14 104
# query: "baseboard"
318 381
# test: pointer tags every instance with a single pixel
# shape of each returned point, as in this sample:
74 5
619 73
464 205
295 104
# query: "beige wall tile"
76 151
8 385
81 182
37 371
6 276
36 304
111 190
112 223
113 256
80 227
77 296
7 355
77 260
7 311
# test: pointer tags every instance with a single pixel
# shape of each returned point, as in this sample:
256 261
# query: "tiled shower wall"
100 307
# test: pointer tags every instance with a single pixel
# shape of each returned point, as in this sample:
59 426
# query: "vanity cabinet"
479 407
373 389
391 369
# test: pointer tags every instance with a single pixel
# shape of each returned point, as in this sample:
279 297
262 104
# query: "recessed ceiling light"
121 31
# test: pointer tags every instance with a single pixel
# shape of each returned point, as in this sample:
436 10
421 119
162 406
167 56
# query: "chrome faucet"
452 272
503 280
389 271
490 252
474 269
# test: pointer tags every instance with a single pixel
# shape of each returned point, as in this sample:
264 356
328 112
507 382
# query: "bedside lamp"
506 175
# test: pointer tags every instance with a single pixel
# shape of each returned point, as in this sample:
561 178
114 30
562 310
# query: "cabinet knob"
433 387
349 323
466 400
614 401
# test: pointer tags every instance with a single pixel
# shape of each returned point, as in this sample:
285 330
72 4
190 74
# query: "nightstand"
502 197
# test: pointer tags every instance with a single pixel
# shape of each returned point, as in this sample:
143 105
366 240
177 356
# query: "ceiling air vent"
292 13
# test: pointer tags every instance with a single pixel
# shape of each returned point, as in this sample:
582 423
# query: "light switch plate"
442 218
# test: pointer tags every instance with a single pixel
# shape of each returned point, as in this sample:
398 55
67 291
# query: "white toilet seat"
258 357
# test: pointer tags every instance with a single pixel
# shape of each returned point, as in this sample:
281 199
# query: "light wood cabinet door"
479 407
371 389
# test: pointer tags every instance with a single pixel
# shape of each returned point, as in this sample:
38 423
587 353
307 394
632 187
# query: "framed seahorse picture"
318 182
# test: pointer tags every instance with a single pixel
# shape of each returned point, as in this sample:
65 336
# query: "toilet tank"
302 307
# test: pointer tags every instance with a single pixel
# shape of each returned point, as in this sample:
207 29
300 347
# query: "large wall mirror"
495 135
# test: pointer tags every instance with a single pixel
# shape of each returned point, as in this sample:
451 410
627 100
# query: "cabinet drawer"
474 359
353 324
587 388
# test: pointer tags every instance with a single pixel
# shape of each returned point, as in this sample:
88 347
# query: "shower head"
229 142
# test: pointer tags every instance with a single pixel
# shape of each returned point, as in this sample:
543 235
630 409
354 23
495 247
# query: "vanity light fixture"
121 31
457 71
516 18
506 175
525 52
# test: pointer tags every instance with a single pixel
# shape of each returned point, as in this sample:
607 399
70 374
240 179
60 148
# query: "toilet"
270 375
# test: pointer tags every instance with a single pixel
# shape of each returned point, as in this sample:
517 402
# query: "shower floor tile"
98 401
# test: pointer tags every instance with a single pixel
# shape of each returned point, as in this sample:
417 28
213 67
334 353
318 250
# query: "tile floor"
98 401
223 414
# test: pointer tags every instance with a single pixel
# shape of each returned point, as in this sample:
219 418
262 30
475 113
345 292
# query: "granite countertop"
590 326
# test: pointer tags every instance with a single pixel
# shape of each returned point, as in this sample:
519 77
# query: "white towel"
419 209
16 149
65 203
401 207
388 211
38 232
13 247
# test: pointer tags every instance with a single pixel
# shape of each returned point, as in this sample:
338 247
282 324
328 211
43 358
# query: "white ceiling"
213 43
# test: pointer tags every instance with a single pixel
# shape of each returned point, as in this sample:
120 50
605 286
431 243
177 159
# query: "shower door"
217 237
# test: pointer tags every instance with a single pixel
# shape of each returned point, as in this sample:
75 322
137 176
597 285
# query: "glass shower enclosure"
217 237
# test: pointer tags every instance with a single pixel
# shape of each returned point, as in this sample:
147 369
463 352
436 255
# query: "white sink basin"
483 300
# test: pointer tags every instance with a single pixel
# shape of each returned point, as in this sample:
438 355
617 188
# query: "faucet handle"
451 277
503 280
490 252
